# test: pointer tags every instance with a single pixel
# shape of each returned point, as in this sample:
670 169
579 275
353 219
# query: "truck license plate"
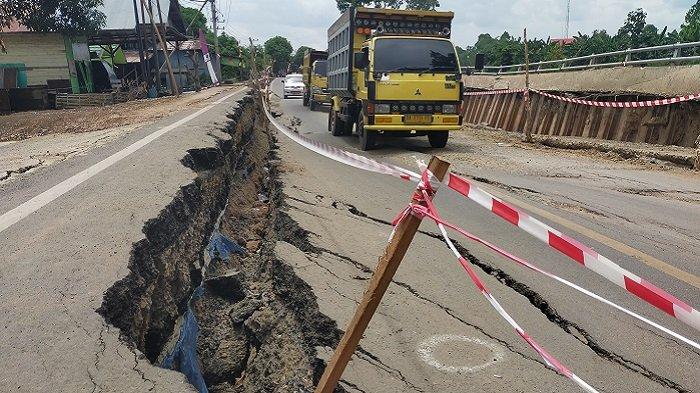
418 119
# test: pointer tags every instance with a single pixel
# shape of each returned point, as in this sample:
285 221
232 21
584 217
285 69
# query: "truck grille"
415 107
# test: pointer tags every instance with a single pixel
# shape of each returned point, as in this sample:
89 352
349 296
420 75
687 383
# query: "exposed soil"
23 125
258 323
638 153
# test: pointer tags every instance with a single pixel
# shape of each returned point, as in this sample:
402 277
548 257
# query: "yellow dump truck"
394 72
315 69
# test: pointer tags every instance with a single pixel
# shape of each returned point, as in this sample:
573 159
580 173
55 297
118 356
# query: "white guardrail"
595 61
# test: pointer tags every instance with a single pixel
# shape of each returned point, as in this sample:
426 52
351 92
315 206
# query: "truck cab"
314 68
318 94
404 76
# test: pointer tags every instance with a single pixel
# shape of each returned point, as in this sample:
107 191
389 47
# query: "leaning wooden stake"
383 274
173 83
527 135
697 154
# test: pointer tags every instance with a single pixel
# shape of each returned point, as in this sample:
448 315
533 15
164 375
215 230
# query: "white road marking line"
426 348
27 208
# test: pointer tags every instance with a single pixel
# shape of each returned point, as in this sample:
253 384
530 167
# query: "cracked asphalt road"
347 212
57 263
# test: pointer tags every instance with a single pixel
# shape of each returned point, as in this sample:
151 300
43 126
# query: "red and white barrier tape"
421 211
431 212
579 252
601 104
570 247
621 104
493 92
342 156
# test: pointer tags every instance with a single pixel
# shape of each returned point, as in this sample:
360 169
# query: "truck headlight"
382 108
449 109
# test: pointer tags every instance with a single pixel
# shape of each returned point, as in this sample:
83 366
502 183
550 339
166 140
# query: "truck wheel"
335 125
347 128
438 139
367 137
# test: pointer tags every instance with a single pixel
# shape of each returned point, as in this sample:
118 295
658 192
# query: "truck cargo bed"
340 53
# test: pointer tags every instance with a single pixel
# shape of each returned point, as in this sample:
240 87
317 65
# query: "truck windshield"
321 68
410 54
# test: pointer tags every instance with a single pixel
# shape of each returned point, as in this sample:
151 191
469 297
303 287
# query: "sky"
305 22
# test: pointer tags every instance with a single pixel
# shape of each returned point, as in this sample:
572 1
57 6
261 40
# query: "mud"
209 260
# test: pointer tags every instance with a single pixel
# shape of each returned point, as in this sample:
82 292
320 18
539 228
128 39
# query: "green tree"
634 33
65 16
5 16
279 49
194 19
428 5
230 48
298 57
408 4
463 55
690 30
631 31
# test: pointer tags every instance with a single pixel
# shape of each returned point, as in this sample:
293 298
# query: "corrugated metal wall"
43 54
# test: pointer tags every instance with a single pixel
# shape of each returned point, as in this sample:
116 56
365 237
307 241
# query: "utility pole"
253 64
528 107
217 50
568 18
240 61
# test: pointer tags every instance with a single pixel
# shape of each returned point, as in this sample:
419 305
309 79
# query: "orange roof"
16 27
562 41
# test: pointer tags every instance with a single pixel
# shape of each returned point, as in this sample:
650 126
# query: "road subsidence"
206 294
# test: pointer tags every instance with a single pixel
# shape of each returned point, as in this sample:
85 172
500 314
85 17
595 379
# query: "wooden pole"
154 43
171 74
383 274
527 135
142 55
697 154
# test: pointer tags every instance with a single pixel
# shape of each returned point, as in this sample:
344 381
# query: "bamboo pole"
697 154
171 74
383 274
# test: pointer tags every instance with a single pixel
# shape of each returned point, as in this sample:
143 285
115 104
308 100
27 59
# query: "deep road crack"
535 299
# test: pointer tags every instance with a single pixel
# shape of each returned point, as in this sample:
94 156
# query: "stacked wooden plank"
71 101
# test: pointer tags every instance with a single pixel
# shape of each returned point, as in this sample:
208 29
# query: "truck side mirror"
479 61
361 60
